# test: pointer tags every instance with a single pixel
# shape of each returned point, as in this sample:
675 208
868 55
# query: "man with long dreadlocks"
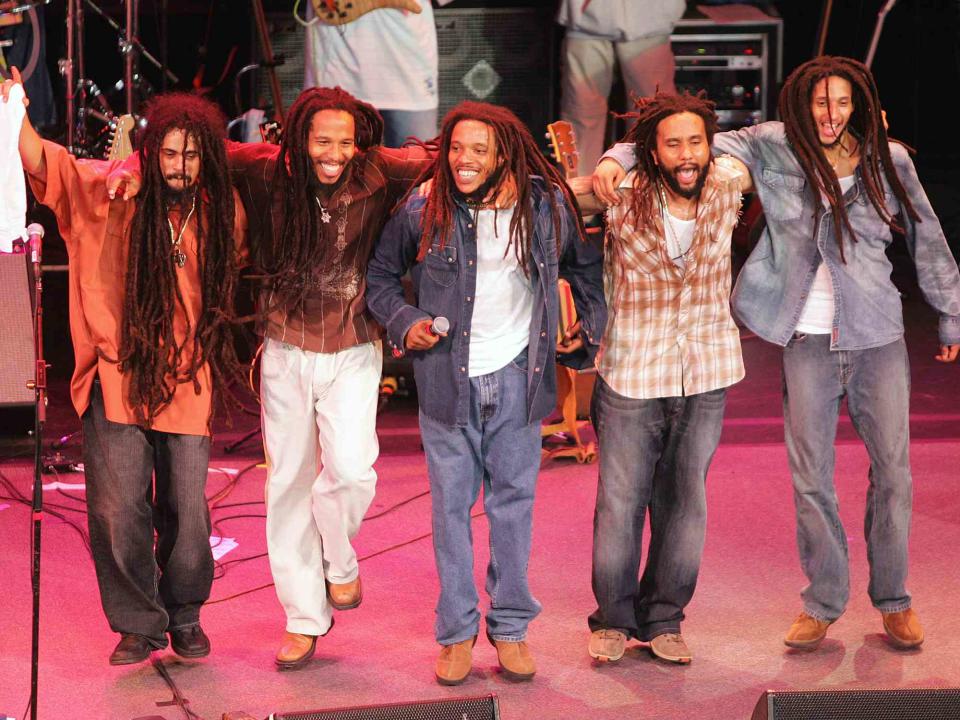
316 205
818 283
151 307
668 355
485 248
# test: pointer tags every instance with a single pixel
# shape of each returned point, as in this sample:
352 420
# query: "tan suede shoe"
672 648
295 651
515 659
455 662
607 645
345 596
903 628
806 633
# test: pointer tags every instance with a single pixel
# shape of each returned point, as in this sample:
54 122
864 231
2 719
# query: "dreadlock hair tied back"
866 122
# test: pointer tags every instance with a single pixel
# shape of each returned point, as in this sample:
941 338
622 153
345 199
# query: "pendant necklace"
324 215
175 238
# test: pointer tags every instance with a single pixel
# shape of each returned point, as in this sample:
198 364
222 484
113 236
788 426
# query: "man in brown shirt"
151 298
316 205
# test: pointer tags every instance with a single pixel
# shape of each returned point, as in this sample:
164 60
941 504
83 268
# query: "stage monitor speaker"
504 56
903 704
483 707
16 333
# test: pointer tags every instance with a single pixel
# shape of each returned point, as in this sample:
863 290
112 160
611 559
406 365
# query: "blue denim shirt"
773 285
445 283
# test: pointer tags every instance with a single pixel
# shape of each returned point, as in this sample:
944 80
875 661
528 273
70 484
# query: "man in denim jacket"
486 249
827 298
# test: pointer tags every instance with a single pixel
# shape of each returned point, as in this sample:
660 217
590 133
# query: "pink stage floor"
384 650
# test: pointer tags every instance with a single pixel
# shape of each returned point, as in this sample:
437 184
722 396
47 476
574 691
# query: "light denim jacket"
773 285
445 283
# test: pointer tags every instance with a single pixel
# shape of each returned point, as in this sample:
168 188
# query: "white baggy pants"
319 434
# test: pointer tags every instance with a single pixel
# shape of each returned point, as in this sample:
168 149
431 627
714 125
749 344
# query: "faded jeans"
500 450
147 590
653 454
876 384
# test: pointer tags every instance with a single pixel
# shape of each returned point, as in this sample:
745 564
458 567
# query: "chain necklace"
324 214
175 238
671 232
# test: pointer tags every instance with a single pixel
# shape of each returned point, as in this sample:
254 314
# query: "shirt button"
536 369
449 259
541 264
543 334
465 333
469 262
463 369
469 298
469 225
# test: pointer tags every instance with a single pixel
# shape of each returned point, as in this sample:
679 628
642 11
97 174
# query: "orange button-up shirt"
96 231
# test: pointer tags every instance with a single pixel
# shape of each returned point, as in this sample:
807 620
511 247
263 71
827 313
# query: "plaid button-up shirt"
670 332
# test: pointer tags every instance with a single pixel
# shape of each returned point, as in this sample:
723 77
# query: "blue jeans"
140 482
876 384
653 454
398 125
501 450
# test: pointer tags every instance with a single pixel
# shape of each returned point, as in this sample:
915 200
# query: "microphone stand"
39 386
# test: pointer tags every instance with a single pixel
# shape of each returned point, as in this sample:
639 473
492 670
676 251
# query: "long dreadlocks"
648 113
867 124
150 353
298 246
521 158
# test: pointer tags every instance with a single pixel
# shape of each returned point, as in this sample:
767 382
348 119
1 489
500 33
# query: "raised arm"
31 146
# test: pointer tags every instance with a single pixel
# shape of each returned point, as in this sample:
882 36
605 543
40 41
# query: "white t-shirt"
503 305
387 58
816 318
678 235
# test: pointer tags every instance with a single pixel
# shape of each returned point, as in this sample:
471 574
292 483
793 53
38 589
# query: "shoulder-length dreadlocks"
647 115
298 245
149 352
867 124
522 160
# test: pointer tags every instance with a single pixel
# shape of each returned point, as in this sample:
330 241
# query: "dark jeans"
876 384
653 454
147 589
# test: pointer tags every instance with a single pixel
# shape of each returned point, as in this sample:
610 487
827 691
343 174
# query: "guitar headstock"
120 145
563 147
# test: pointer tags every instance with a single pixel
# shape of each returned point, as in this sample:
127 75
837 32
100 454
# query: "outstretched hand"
948 353
8 84
125 182
606 179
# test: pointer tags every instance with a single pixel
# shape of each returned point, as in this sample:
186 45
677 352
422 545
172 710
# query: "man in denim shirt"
826 296
485 249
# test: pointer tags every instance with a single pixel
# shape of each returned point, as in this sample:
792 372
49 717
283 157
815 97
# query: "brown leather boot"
296 650
345 596
455 661
806 633
903 628
515 659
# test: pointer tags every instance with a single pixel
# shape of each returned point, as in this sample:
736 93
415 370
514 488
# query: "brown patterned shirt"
334 315
670 332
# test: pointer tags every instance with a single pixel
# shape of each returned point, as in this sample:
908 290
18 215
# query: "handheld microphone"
440 325
35 239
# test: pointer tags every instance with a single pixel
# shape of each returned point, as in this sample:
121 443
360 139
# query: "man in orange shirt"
151 303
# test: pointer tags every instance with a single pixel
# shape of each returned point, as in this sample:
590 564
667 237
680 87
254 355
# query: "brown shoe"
672 648
345 596
607 645
455 662
515 659
295 651
806 633
903 628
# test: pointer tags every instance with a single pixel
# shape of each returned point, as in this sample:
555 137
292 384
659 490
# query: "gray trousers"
142 482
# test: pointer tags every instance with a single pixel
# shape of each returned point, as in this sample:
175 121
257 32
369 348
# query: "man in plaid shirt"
669 352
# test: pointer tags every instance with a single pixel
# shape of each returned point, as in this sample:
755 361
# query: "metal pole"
66 70
128 57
